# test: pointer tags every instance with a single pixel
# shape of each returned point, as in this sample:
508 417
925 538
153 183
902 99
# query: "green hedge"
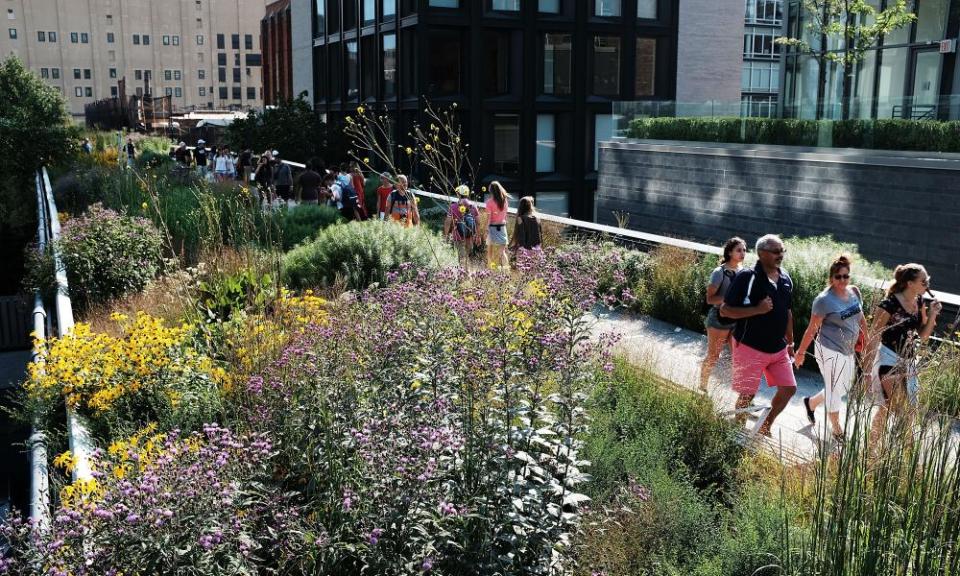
930 136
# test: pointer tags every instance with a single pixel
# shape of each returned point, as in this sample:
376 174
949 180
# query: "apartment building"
763 21
202 53
534 80
277 59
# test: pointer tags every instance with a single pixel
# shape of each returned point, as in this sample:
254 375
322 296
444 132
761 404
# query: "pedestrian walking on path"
761 301
527 234
460 225
836 321
497 206
902 322
719 329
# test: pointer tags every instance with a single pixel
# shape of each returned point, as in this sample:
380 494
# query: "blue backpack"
467 226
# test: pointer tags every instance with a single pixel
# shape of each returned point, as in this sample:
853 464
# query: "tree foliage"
292 128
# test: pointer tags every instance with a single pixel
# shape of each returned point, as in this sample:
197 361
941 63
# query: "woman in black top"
526 232
901 321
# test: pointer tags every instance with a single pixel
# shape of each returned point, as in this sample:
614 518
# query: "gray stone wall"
897 206
301 40
709 52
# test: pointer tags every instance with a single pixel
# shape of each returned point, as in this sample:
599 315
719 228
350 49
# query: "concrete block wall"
897 206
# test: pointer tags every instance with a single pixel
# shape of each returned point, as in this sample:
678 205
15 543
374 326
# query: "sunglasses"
841 276
776 252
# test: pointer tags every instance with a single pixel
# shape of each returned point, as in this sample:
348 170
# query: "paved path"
675 354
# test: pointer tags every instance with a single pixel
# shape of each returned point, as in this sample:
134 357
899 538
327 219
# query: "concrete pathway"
675 354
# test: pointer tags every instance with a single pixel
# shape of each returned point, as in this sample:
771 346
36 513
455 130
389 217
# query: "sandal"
810 415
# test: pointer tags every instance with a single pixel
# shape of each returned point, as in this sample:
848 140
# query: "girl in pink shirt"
497 240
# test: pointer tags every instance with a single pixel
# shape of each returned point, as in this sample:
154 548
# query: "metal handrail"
39 472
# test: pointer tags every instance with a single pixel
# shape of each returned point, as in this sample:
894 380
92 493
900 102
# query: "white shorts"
838 371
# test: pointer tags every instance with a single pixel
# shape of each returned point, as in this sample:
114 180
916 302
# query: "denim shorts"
498 234
713 320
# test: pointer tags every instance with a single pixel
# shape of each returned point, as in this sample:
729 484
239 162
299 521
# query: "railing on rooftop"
80 442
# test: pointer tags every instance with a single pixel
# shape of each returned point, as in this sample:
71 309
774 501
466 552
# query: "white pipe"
39 473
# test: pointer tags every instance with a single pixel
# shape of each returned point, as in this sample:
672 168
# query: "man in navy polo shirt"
761 301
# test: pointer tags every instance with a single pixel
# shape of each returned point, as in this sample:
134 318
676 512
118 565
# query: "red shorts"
749 364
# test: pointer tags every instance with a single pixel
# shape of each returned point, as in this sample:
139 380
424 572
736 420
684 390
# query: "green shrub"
303 222
108 255
674 287
940 379
887 134
362 253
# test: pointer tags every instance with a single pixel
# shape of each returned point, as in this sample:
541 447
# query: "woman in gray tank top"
718 328
836 319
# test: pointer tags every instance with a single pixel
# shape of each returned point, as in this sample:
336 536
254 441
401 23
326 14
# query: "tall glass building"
913 73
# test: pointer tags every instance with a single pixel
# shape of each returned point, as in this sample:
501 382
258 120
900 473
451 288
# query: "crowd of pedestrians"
751 310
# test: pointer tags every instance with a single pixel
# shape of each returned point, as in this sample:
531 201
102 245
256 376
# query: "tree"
292 128
842 32
35 131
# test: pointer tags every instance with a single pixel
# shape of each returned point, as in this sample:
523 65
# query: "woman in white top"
222 165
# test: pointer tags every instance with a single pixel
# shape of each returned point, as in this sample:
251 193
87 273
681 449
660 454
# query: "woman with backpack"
402 205
461 225
836 320
719 329
496 207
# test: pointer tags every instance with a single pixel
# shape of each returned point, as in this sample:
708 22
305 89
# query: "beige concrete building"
203 53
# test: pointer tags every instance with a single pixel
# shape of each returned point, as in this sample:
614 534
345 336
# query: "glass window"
177 75
496 63
445 3
506 144
199 39
606 65
557 59
178 92
353 74
553 203
606 7
236 75
222 59
110 38
408 69
44 72
602 130
236 93
336 72
51 36
251 93
88 92
167 75
368 65
389 9
77 73
549 6
223 92
647 9
445 62
932 20
78 92
220 42
333 16
646 67
253 59
87 74
546 143
113 91
201 74
138 74
166 40
389 65
74 38
55 73
41 36
369 11
113 72
222 74
176 40
202 91
235 41
505 5
146 39
248 41
320 20
85 38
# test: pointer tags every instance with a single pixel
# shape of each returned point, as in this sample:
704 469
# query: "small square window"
201 74
220 42
109 19
88 92
236 93
199 22
176 40
236 59
51 36
113 72
55 73
77 73
606 8
13 33
146 39
87 74
41 36
44 72
74 37
177 75
235 41
84 38
78 92
136 39
110 38
168 91
203 91
221 59
113 91
549 6
166 40
167 75
147 74
251 93
199 39
138 74
223 92
178 92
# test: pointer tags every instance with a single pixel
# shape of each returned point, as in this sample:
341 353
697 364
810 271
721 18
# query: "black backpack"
467 225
